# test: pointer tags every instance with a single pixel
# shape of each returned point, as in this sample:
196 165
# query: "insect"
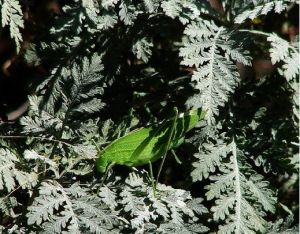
146 145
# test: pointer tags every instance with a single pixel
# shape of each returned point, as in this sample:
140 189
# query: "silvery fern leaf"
50 164
12 178
211 50
151 6
160 207
282 51
57 224
84 16
108 196
279 48
241 196
15 229
131 204
283 226
288 53
295 86
170 228
291 67
86 76
260 8
74 90
39 121
12 15
7 204
45 206
209 159
142 49
168 208
92 9
10 175
186 11
107 20
89 15
172 8
128 12
108 3
197 206
32 155
72 209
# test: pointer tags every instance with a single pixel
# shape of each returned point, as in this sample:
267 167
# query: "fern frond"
128 12
108 196
10 174
209 158
291 68
261 8
142 49
185 11
210 49
151 6
58 208
85 89
283 226
12 178
171 206
283 51
241 196
12 15
108 3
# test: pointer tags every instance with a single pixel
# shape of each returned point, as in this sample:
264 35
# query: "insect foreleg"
152 179
106 174
171 136
176 157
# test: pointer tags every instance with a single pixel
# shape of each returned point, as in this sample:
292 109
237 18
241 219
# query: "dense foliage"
113 66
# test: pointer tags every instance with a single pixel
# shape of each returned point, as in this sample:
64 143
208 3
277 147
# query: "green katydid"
146 145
